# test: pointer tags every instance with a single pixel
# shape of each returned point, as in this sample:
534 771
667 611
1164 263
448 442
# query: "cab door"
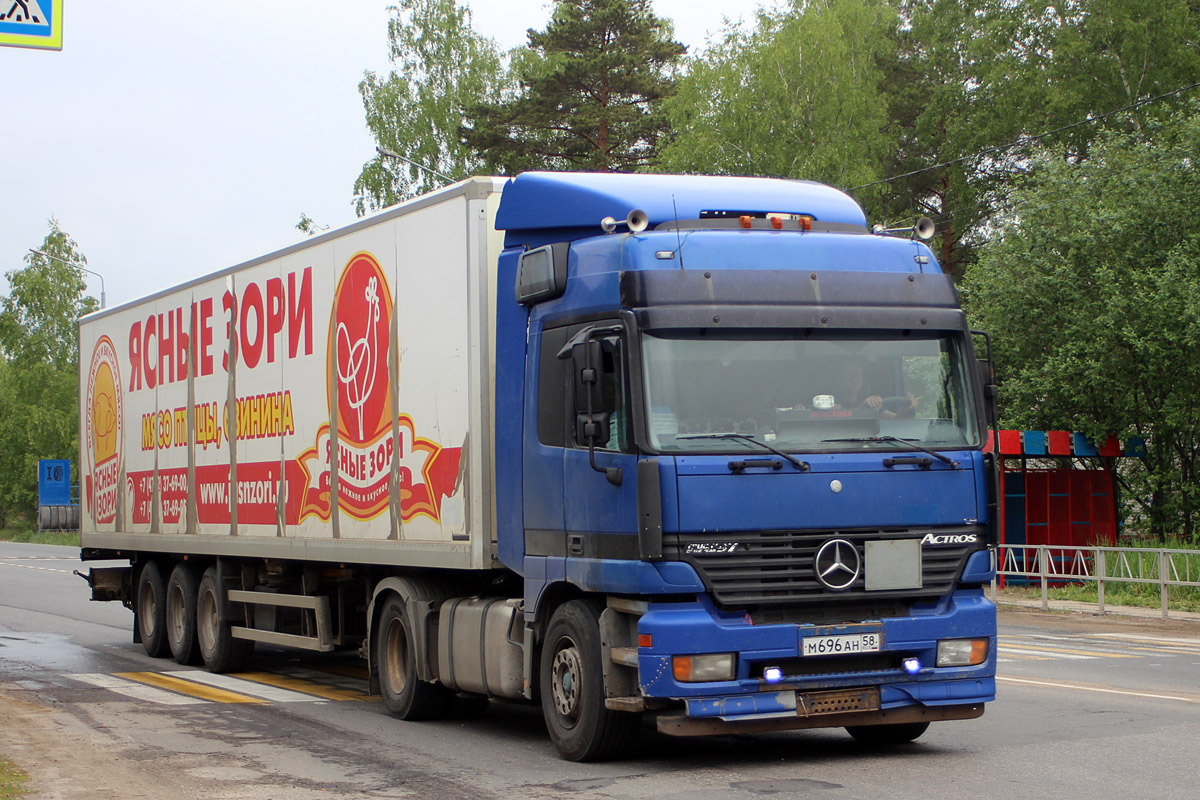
600 487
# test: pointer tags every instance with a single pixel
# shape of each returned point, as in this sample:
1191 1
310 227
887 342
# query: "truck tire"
181 614
220 651
572 689
888 734
404 694
151 616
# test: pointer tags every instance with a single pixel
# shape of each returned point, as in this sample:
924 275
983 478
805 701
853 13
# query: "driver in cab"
848 393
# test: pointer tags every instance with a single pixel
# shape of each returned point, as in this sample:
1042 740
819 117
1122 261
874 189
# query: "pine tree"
590 89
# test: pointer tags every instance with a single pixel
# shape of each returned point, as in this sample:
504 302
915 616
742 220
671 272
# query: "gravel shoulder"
66 760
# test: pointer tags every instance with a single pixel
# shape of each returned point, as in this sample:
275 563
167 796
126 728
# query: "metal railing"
1054 564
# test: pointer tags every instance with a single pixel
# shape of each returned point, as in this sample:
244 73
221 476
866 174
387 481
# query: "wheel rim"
175 613
206 622
566 673
395 657
147 612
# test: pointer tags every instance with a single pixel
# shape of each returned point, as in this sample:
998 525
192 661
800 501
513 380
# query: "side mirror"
983 368
591 428
593 409
589 379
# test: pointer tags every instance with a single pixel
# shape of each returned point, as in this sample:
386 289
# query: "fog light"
772 674
912 665
962 652
710 667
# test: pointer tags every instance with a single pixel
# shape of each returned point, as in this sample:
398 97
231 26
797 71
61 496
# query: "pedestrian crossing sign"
31 23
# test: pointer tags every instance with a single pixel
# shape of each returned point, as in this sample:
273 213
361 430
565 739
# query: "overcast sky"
173 139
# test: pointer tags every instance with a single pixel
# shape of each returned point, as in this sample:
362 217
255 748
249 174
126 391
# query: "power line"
1029 139
435 173
1004 198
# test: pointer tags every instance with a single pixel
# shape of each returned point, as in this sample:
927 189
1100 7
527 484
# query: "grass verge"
12 780
18 532
1179 598
1134 561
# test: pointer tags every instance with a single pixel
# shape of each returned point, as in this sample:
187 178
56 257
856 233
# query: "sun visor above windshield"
658 288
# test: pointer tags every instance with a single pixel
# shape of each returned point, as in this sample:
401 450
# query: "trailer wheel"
151 616
404 694
572 689
181 614
888 734
220 651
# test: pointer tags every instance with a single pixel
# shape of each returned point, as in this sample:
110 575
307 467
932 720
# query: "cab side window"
555 385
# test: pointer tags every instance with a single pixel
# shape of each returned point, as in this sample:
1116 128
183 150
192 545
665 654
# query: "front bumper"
683 725
821 691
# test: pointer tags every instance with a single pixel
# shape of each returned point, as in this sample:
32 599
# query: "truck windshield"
804 393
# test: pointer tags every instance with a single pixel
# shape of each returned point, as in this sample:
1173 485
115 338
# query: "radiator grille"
775 568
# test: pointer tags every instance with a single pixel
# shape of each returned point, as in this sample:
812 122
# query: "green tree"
590 90
39 375
797 94
1093 297
308 226
982 75
928 106
441 67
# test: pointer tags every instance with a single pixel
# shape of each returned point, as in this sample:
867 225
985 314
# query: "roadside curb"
1090 609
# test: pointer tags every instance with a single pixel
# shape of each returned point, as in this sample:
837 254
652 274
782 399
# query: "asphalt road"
1102 708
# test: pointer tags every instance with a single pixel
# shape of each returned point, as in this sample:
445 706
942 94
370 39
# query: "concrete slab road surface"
1087 706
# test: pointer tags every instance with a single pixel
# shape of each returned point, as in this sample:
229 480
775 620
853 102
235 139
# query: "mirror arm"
587 334
614 475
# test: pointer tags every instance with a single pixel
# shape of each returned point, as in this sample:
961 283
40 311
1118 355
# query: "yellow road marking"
299 685
1021 656
349 672
1179 651
189 688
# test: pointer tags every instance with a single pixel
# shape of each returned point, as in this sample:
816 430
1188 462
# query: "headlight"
709 667
962 652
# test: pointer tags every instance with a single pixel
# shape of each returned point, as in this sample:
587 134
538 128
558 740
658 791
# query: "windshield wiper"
908 442
745 437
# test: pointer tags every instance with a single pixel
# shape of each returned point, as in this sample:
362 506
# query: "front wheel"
572 689
888 734
404 694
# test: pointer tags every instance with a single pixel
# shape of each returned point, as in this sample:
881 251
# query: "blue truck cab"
740 466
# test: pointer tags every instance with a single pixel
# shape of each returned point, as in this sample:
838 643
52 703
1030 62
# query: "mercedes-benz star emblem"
837 564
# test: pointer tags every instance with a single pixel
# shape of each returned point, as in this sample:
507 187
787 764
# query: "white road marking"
232 684
39 558
1003 648
43 569
1078 687
1141 638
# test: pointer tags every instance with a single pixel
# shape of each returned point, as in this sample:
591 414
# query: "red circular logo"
359 349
